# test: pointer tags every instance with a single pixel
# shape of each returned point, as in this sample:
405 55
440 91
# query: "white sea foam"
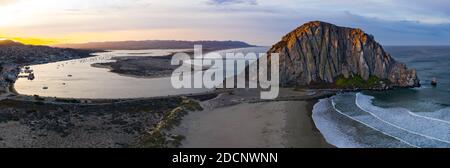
370 121
329 116
401 118
339 129
441 115
329 127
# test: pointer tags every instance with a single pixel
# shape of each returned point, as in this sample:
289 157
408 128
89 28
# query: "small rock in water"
434 82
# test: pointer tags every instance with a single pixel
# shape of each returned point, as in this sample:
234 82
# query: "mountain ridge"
8 43
156 44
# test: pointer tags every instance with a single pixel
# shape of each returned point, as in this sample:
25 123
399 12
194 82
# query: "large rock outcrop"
319 52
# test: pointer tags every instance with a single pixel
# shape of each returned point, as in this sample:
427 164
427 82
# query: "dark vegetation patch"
158 136
357 81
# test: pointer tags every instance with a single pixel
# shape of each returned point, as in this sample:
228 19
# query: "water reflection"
78 79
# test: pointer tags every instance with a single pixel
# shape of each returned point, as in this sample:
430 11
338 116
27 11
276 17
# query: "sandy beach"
228 123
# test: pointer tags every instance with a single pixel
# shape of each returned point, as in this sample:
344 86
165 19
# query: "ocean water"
430 62
417 117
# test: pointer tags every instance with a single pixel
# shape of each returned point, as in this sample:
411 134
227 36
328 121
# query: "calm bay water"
78 79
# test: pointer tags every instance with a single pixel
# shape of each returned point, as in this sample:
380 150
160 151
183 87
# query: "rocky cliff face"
319 52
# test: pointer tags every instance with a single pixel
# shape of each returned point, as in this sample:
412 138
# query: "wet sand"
274 124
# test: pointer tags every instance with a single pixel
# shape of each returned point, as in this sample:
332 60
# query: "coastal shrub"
39 103
176 140
357 81
74 101
191 105
158 138
154 139
31 111
38 98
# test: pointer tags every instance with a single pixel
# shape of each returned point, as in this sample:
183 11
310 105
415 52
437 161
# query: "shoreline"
279 127
316 139
34 121
139 67
147 66
38 124
302 99
278 123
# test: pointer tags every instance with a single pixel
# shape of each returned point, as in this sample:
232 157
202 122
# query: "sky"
259 22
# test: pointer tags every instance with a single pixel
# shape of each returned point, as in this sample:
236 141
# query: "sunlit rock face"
319 52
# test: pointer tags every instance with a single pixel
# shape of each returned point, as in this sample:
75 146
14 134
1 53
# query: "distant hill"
12 52
9 43
156 44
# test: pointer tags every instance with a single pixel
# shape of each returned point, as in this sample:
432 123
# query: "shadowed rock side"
322 53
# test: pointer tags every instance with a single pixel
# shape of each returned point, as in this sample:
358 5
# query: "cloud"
231 2
6 2
261 22
391 32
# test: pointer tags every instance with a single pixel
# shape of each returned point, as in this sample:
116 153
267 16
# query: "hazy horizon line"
137 40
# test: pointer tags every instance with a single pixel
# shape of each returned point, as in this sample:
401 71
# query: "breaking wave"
396 127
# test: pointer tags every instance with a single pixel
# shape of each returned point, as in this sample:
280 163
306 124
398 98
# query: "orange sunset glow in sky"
259 22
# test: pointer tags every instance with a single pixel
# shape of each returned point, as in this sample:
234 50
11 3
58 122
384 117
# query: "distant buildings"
15 55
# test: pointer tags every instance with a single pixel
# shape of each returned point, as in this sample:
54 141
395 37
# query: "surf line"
376 129
396 126
429 118
420 116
